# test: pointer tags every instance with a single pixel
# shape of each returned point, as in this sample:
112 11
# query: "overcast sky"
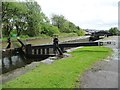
91 14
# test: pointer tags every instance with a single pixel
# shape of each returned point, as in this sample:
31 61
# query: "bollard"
28 49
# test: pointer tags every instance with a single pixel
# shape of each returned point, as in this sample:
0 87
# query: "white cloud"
96 14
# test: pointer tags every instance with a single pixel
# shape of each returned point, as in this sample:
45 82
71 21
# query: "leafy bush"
24 36
80 32
114 31
50 30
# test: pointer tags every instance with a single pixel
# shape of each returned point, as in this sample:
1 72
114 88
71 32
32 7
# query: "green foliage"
53 30
27 18
68 34
58 20
24 36
61 73
49 30
34 18
13 16
119 32
80 32
114 31
0 86
65 26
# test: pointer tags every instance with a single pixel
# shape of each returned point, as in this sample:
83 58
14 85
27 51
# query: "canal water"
12 62
16 60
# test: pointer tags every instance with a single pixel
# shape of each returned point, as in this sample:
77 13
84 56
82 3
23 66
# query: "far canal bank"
40 41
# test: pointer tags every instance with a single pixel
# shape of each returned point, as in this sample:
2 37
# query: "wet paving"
104 74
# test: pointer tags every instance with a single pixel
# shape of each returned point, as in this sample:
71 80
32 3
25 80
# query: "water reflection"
12 62
16 60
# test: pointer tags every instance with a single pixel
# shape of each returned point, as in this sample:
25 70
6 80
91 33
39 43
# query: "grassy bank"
62 73
24 37
38 40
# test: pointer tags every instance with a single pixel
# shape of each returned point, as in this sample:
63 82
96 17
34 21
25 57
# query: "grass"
67 34
38 40
24 37
63 73
0 86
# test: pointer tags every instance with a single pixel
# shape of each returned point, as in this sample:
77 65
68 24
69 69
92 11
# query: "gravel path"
103 74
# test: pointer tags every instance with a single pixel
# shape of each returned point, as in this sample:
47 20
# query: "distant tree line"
114 31
66 26
27 18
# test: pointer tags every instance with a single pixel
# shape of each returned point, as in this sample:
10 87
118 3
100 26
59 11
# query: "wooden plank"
43 46
21 42
62 48
43 51
28 49
79 44
68 45
35 51
47 52
39 51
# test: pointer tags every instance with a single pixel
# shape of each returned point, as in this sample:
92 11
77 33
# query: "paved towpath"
104 74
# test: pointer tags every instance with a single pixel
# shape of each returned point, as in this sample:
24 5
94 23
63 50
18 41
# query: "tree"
34 18
80 32
6 17
24 17
59 21
114 31
13 17
27 18
49 30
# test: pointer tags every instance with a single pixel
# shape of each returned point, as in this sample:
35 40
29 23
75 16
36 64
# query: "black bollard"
56 46
9 43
